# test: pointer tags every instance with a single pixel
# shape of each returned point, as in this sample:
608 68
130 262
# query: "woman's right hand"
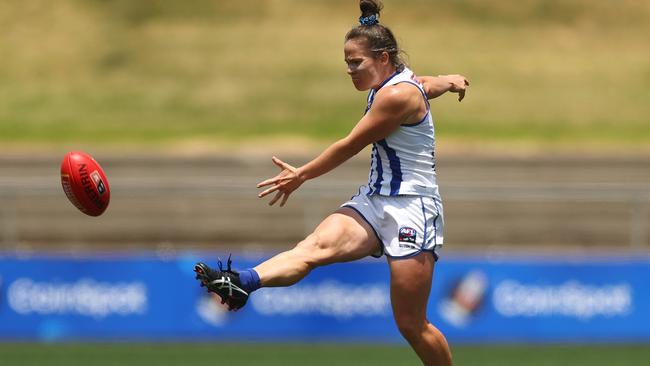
284 183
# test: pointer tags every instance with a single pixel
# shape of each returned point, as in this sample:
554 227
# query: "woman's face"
365 70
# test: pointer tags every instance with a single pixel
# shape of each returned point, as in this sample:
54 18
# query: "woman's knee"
410 327
315 250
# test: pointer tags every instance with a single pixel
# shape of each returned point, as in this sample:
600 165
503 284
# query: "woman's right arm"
436 86
393 105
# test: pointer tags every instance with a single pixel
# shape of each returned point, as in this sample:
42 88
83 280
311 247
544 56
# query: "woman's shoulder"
400 93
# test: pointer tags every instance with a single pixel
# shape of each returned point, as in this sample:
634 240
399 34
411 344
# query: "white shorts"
405 225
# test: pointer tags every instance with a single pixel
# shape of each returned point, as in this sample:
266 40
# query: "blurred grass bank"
542 71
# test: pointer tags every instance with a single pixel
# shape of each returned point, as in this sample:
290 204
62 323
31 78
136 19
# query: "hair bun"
370 7
377 38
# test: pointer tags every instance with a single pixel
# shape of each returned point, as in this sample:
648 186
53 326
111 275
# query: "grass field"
159 71
308 354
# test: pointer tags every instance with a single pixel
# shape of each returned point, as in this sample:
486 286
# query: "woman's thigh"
410 285
342 237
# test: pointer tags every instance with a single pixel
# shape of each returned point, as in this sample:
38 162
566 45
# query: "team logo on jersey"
407 235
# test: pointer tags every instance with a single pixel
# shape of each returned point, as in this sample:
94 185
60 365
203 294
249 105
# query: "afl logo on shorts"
407 235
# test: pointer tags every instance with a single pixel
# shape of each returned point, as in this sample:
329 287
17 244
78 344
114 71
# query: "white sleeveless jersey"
404 162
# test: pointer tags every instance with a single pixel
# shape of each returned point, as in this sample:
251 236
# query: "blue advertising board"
474 299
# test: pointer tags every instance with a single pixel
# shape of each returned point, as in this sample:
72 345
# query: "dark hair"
379 38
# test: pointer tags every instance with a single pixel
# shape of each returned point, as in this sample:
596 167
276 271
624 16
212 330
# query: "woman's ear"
384 58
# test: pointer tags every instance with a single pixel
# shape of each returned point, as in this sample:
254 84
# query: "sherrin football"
85 183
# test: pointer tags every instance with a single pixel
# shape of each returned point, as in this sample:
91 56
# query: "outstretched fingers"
285 197
275 199
283 184
278 179
268 182
281 164
268 191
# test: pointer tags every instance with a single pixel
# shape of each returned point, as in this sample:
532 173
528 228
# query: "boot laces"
228 264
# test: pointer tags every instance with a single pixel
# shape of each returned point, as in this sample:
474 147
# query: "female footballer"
397 213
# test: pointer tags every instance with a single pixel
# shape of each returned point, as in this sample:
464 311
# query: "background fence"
209 202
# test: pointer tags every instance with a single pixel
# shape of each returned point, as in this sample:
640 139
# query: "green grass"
311 354
159 71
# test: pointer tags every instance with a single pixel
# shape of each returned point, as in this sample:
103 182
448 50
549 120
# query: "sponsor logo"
329 298
407 246
85 297
87 184
464 300
570 299
98 182
407 235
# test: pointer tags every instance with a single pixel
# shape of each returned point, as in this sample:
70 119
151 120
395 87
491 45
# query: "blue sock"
250 280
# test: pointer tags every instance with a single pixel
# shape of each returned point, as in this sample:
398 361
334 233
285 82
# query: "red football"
85 183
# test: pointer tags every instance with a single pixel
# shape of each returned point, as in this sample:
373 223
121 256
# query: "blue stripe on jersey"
424 215
435 227
371 97
416 123
395 167
380 171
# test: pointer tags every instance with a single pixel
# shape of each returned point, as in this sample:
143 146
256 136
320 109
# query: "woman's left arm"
435 86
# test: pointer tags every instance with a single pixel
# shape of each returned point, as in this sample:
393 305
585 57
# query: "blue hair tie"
369 20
